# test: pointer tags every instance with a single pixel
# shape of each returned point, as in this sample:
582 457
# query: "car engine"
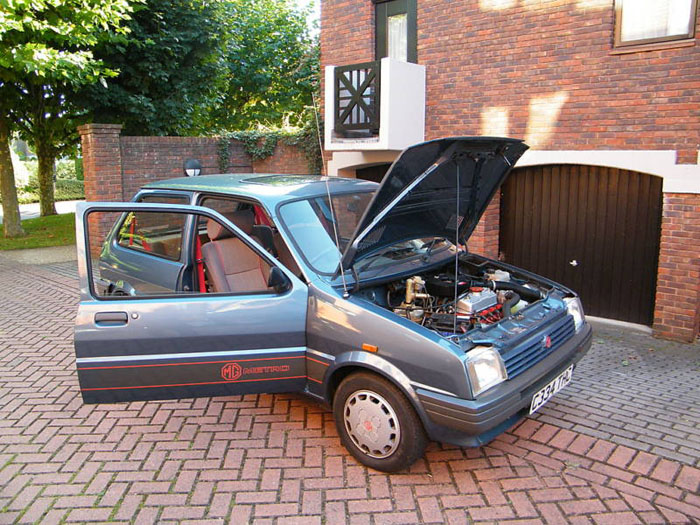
484 295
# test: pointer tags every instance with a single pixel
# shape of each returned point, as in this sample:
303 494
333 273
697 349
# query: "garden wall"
115 167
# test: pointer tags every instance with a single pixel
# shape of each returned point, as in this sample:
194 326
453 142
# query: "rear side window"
164 199
158 234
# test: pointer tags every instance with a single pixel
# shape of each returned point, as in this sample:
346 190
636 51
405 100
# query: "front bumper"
472 423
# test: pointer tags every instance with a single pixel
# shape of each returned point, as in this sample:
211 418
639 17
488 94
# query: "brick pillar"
102 162
484 240
102 170
677 308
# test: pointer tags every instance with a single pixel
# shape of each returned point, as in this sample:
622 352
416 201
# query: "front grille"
525 355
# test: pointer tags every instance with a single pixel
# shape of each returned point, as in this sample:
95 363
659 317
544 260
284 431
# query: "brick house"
605 92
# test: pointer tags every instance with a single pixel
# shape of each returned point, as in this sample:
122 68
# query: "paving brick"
276 509
689 479
430 510
189 460
494 512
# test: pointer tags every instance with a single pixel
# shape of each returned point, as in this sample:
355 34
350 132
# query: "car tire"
377 424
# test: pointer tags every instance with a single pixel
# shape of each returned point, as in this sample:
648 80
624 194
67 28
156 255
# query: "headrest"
244 219
216 231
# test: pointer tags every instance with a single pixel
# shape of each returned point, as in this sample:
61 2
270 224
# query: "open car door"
146 329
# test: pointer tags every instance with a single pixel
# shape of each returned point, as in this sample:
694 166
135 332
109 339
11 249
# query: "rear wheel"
377 424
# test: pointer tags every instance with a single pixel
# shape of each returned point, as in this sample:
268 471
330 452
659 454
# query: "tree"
45 58
202 67
11 223
270 64
168 69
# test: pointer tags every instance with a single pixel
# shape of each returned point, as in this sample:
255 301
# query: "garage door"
594 229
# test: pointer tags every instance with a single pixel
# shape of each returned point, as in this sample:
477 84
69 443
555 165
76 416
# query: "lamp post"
192 167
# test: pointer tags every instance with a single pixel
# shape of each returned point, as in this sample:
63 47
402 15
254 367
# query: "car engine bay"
485 294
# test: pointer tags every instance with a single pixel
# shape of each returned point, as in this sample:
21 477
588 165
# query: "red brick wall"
102 154
678 287
484 240
116 167
347 34
549 52
148 159
286 159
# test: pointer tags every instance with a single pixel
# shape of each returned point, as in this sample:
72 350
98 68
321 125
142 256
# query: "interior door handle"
111 318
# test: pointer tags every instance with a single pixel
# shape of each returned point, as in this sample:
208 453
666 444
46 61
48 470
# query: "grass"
54 230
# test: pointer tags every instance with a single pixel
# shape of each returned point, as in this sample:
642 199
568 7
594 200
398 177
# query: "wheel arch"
353 362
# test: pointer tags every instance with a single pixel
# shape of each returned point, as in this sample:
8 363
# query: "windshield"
310 224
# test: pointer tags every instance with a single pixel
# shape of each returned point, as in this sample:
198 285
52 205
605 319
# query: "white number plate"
544 395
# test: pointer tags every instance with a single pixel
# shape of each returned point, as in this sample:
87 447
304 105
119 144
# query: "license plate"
546 393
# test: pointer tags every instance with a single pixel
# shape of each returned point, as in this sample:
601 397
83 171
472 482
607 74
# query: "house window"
648 21
396 29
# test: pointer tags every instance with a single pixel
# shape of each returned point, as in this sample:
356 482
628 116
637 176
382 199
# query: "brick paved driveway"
620 445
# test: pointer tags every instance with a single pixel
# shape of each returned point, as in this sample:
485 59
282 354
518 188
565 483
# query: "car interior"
225 264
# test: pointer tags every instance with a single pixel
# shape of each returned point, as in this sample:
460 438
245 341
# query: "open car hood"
420 195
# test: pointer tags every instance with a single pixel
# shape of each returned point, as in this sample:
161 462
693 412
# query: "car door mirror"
277 280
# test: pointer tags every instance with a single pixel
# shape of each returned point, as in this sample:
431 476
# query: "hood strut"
456 280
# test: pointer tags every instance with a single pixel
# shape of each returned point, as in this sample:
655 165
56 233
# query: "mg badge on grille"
547 341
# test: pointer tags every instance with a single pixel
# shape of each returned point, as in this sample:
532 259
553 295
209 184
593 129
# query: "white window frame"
619 5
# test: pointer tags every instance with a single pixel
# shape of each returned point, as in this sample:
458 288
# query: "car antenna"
454 319
330 202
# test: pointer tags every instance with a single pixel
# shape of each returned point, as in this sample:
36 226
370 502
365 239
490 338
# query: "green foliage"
270 66
68 186
260 144
49 41
56 230
168 69
45 59
65 169
202 67
66 190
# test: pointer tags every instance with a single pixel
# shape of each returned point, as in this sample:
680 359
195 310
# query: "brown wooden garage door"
595 230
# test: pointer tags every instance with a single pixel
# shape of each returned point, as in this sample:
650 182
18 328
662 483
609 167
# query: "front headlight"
575 309
485 368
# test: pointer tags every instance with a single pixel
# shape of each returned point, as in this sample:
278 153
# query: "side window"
161 198
224 206
141 254
158 234
263 229
228 263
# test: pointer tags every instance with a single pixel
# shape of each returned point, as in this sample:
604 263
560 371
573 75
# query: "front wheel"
377 424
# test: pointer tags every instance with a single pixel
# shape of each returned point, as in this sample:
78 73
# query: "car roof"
270 189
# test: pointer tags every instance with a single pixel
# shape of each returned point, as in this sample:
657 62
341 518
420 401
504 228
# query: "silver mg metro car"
363 296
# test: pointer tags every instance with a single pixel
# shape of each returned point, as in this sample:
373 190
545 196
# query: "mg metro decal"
122 380
233 371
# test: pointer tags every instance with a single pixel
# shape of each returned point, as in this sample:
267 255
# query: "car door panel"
189 345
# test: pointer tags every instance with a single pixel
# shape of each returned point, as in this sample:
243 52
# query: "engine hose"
528 294
510 302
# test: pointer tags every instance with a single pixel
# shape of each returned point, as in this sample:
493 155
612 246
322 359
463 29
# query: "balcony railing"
357 92
376 106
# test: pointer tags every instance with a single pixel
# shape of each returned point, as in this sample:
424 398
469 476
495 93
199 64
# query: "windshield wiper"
431 245
391 250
